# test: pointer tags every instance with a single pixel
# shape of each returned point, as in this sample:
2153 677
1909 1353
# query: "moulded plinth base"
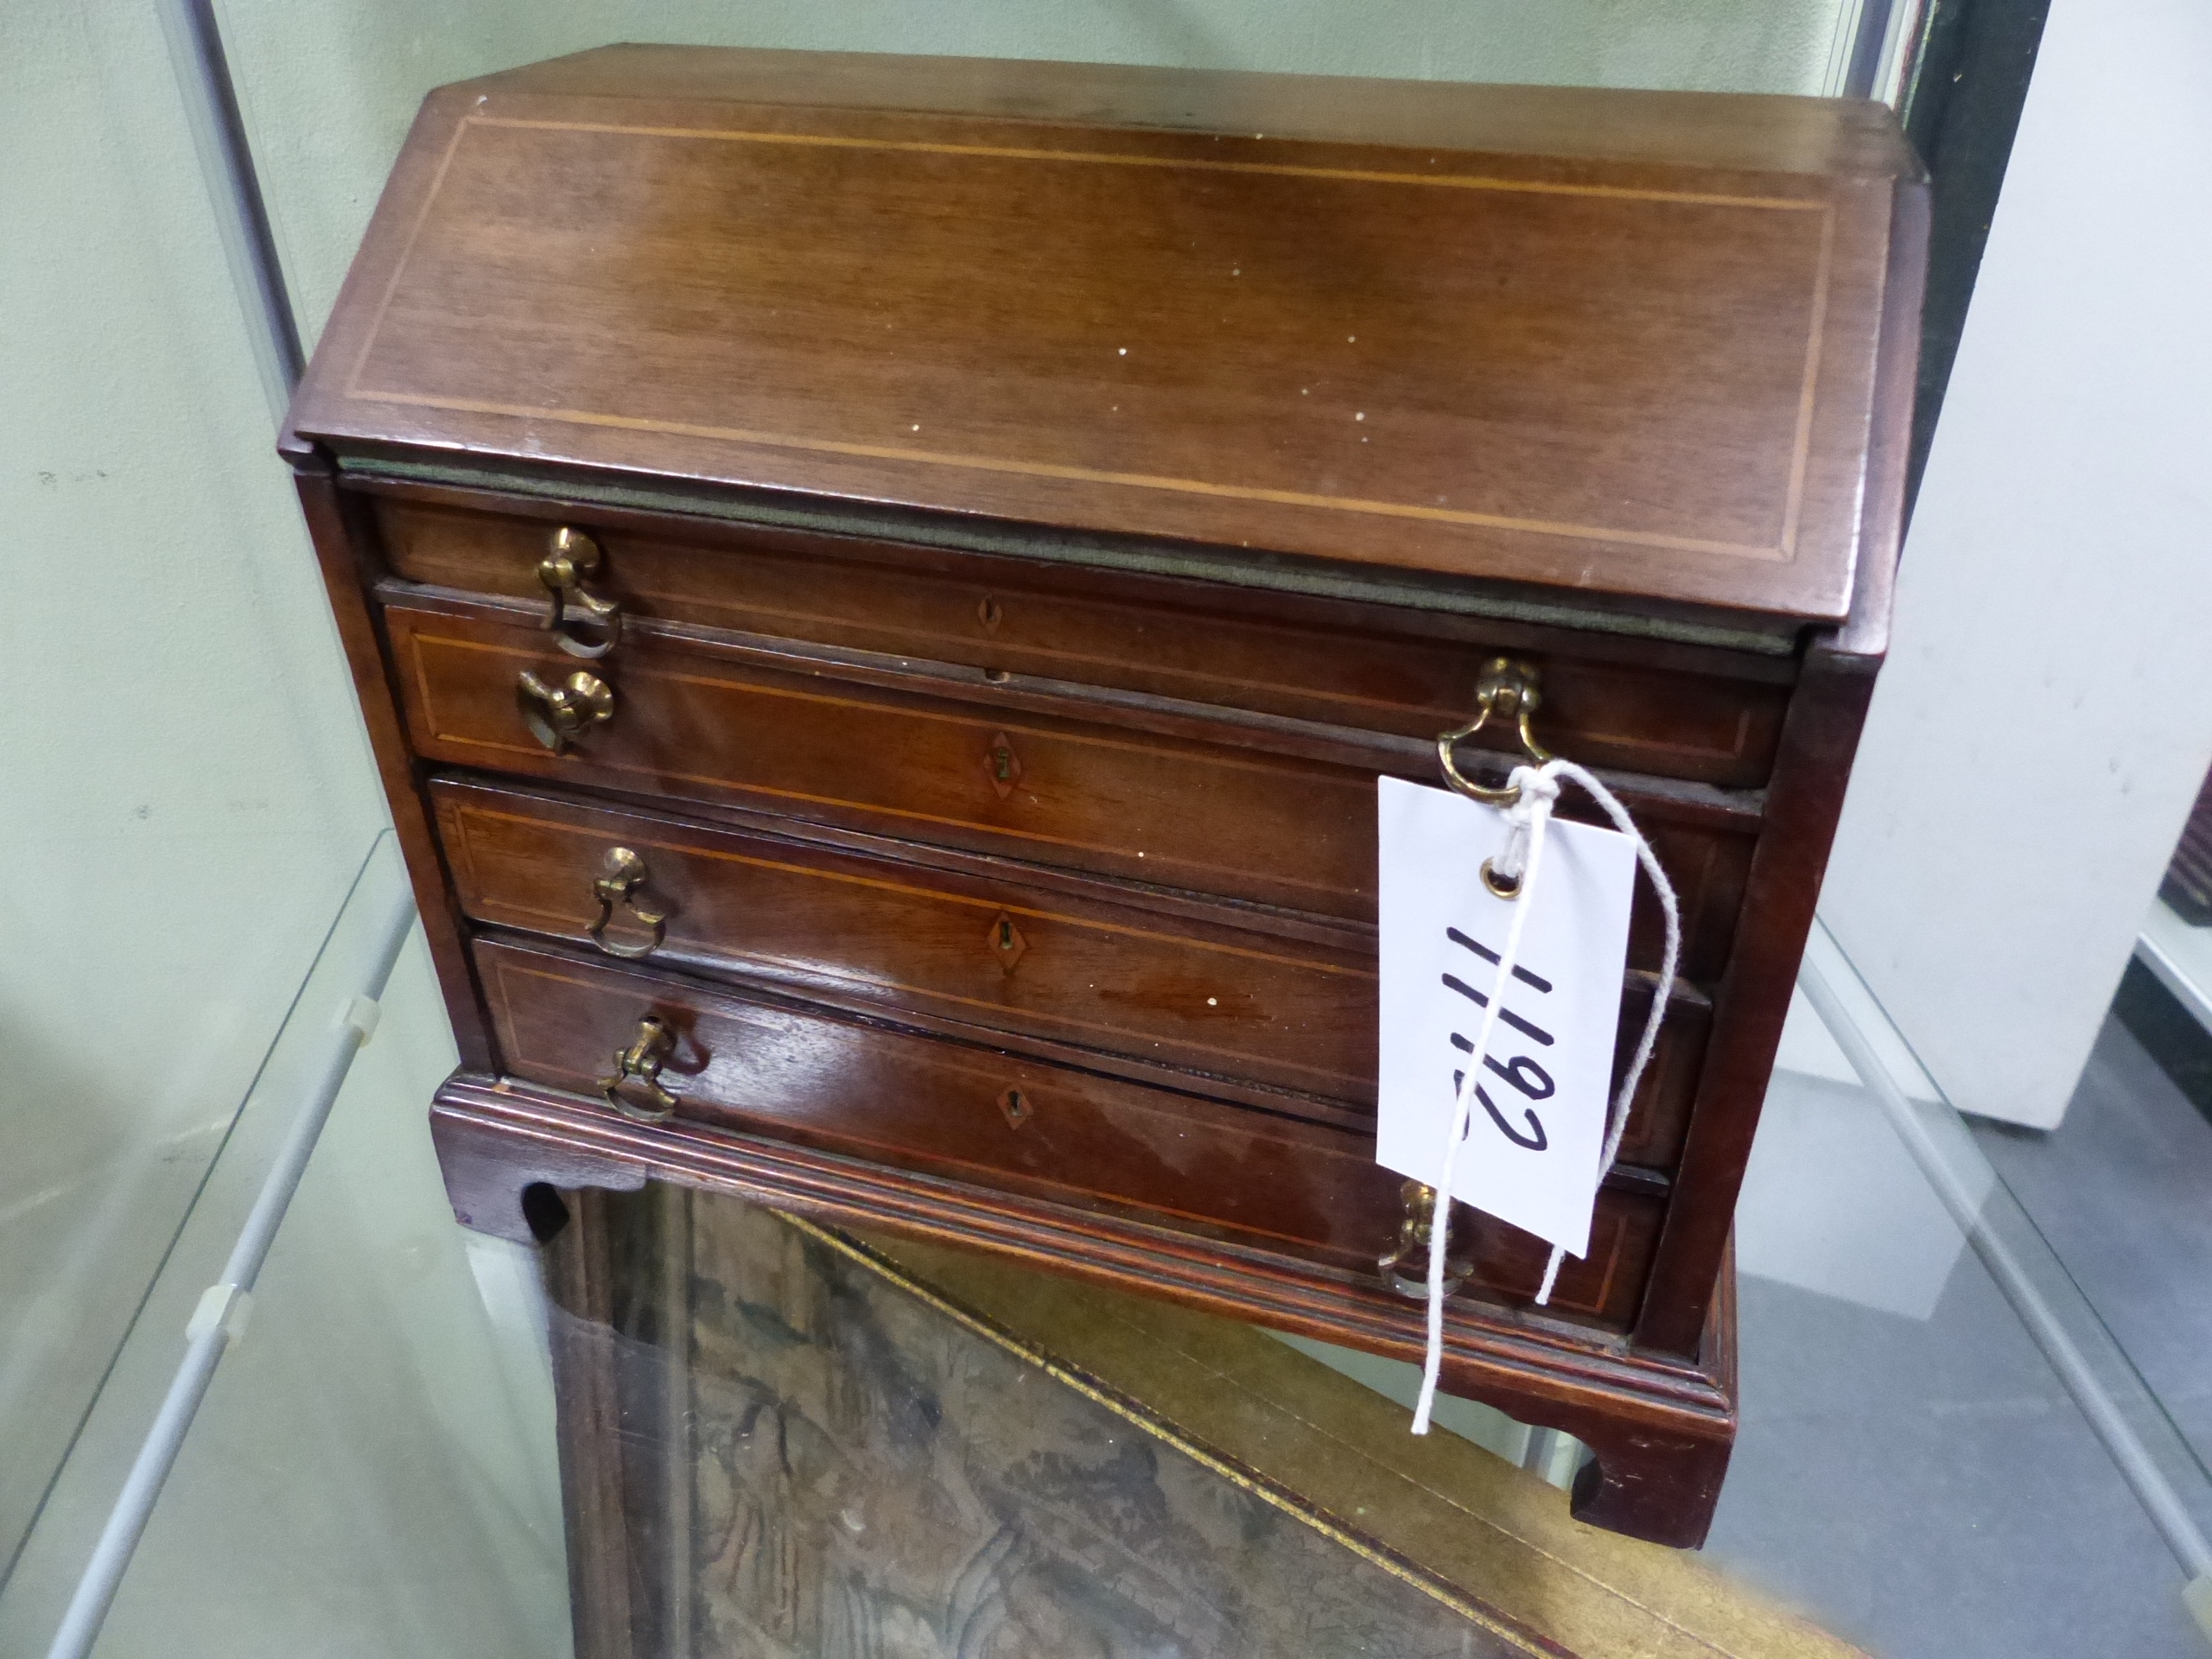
1660 1428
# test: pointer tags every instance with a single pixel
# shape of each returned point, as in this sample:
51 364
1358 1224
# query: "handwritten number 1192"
1522 1071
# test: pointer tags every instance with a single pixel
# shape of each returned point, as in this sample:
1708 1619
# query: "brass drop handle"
1510 692
1405 1268
626 874
574 556
637 1074
558 715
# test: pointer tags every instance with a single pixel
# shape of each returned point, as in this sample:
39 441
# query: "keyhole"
988 613
1001 764
1005 942
1014 1105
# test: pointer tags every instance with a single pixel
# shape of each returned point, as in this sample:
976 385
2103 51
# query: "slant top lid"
1624 342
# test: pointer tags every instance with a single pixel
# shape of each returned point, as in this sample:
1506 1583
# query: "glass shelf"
371 1470
1916 1475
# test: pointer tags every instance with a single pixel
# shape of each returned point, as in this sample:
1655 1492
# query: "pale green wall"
186 796
185 790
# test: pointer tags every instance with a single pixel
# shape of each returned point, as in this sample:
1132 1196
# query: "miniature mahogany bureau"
881 587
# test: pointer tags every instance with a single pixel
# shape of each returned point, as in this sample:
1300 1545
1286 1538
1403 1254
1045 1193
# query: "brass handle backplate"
625 875
558 715
635 1089
573 556
1508 692
1405 1268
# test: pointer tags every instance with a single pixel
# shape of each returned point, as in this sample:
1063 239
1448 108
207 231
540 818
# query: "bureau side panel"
342 550
1818 742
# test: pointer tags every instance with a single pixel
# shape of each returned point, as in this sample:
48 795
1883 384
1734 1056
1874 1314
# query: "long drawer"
964 1111
1671 711
690 723
983 943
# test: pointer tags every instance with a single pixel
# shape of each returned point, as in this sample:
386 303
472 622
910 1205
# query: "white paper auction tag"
1536 1130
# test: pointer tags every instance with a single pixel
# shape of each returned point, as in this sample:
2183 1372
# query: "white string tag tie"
1543 1154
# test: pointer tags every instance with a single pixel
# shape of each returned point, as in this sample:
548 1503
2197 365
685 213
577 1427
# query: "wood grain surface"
1202 1004
1041 499
1062 781
1643 376
1710 716
909 1102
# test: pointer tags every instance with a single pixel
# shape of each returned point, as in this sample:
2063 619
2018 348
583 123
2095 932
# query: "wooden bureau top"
1648 344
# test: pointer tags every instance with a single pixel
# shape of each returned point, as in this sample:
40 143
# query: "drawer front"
1210 818
987 950
1070 963
922 1104
1371 669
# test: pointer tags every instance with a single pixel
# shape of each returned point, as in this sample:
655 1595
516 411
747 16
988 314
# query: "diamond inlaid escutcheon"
1001 764
1016 1108
1005 942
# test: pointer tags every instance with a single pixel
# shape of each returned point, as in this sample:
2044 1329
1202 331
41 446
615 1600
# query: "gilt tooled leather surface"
870 1477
